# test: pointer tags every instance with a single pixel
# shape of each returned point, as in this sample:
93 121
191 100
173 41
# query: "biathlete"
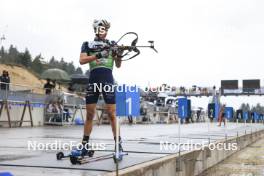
101 66
221 115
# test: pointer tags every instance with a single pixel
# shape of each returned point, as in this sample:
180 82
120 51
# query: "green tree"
2 53
70 68
37 66
25 58
79 70
53 63
258 108
63 64
12 55
245 107
87 73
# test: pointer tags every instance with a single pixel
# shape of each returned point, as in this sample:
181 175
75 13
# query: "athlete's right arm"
84 58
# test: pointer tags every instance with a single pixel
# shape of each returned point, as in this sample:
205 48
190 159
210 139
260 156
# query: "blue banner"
183 107
229 111
256 116
245 115
127 101
217 110
260 116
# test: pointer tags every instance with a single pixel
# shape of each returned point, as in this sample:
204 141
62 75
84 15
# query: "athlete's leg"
91 101
109 98
111 110
90 112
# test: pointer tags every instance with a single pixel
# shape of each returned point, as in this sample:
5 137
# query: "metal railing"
36 94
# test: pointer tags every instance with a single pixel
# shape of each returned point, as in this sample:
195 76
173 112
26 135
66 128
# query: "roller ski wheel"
74 160
60 155
90 153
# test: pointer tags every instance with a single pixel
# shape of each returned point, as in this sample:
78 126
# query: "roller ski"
117 156
75 153
84 160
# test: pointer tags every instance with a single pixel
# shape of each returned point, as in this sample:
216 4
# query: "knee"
90 115
111 114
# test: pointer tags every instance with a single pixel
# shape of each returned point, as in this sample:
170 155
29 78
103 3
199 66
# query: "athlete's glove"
102 54
118 52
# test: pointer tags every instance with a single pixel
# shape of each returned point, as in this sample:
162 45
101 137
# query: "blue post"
217 109
183 108
127 104
256 117
229 113
211 110
245 115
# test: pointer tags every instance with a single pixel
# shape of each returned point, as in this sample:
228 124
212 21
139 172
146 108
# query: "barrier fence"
29 97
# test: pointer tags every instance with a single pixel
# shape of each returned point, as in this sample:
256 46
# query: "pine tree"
245 107
87 73
12 55
37 66
53 63
79 71
2 54
25 58
62 64
70 68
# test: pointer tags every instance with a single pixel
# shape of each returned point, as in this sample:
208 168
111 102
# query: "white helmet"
103 23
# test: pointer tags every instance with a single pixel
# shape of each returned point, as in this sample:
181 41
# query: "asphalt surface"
142 142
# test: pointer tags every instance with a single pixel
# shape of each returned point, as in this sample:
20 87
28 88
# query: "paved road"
142 142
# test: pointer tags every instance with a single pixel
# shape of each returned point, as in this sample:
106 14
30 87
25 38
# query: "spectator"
70 88
66 114
198 114
52 108
5 80
221 115
48 87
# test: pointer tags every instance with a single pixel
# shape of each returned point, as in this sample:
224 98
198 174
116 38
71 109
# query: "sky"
200 42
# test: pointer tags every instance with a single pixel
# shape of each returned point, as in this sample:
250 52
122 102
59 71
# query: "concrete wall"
191 162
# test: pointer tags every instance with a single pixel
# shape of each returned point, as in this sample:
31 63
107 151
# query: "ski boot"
79 153
119 156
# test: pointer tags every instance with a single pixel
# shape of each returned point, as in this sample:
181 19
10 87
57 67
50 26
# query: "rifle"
113 46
